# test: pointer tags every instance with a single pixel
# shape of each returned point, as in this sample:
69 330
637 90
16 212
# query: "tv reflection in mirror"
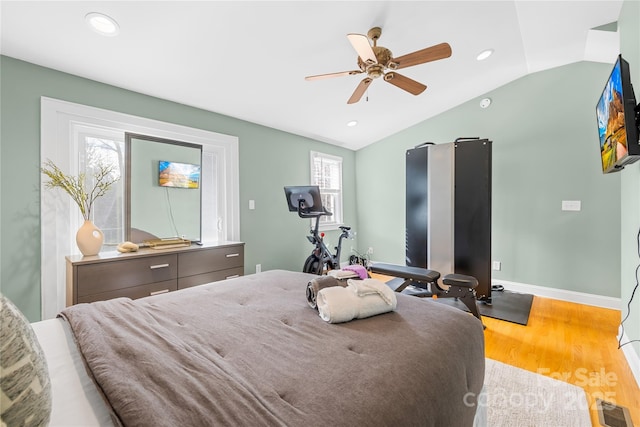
178 175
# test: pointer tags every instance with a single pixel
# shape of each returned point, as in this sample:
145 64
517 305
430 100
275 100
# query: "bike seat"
344 228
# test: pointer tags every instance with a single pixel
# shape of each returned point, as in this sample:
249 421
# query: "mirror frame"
128 166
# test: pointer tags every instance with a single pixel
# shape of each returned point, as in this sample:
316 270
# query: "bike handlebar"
304 213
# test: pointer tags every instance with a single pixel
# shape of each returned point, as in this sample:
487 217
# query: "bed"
250 351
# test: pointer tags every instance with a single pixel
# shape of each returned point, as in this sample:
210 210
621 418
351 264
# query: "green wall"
545 150
269 159
629 25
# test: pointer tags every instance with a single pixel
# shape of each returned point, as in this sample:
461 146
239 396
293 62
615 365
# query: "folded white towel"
360 299
374 286
337 304
375 297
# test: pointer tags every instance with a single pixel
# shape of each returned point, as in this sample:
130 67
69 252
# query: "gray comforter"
251 352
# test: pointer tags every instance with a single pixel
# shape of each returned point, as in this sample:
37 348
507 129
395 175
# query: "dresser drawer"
208 260
134 291
110 276
215 276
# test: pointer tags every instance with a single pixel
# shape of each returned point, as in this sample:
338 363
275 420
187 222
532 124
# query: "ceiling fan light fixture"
352 123
484 54
102 24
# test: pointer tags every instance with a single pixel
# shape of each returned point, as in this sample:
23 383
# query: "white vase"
89 238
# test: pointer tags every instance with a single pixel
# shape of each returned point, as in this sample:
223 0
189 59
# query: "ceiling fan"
376 60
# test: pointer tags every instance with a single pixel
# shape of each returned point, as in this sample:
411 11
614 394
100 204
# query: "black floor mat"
506 305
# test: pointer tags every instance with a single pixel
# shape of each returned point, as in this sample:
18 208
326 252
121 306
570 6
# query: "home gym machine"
448 223
448 209
306 200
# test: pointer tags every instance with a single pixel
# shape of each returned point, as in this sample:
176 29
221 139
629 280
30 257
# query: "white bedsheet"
75 399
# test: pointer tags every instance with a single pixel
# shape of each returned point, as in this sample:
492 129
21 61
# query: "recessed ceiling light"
102 24
352 123
484 54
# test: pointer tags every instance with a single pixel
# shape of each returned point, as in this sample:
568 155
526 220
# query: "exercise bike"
307 202
320 256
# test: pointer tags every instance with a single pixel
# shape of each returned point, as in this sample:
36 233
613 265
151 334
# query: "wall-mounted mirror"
163 188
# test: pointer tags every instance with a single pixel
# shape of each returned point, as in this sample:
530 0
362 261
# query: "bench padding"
460 280
414 273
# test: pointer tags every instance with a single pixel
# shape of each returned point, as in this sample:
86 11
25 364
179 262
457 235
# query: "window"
326 172
100 146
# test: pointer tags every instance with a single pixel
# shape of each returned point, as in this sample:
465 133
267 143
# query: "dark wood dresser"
150 271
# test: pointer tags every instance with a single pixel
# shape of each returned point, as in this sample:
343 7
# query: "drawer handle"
153 267
233 277
164 291
232 255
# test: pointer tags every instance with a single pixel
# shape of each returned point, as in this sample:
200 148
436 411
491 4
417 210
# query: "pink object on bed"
360 270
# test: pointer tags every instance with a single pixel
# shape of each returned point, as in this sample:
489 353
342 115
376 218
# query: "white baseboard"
632 357
562 294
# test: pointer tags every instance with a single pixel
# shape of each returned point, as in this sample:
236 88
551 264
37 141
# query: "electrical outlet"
258 268
497 265
370 250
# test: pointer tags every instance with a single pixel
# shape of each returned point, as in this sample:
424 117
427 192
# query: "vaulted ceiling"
248 59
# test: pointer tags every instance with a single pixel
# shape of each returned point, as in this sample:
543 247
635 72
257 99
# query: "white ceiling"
249 59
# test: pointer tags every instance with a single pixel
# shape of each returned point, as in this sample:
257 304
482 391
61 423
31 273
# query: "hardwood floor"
571 342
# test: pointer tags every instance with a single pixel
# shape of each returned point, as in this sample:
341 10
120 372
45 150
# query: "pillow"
25 388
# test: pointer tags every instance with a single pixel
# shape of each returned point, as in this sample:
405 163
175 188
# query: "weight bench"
459 285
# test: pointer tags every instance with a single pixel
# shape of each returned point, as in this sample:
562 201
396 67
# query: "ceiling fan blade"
326 76
405 83
361 44
360 90
433 53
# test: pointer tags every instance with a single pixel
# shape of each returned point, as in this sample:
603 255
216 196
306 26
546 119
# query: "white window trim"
331 225
58 224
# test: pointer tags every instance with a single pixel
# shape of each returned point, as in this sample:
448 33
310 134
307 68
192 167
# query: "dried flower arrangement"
75 186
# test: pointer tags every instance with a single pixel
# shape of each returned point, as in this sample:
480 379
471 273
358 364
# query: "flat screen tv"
178 175
617 114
